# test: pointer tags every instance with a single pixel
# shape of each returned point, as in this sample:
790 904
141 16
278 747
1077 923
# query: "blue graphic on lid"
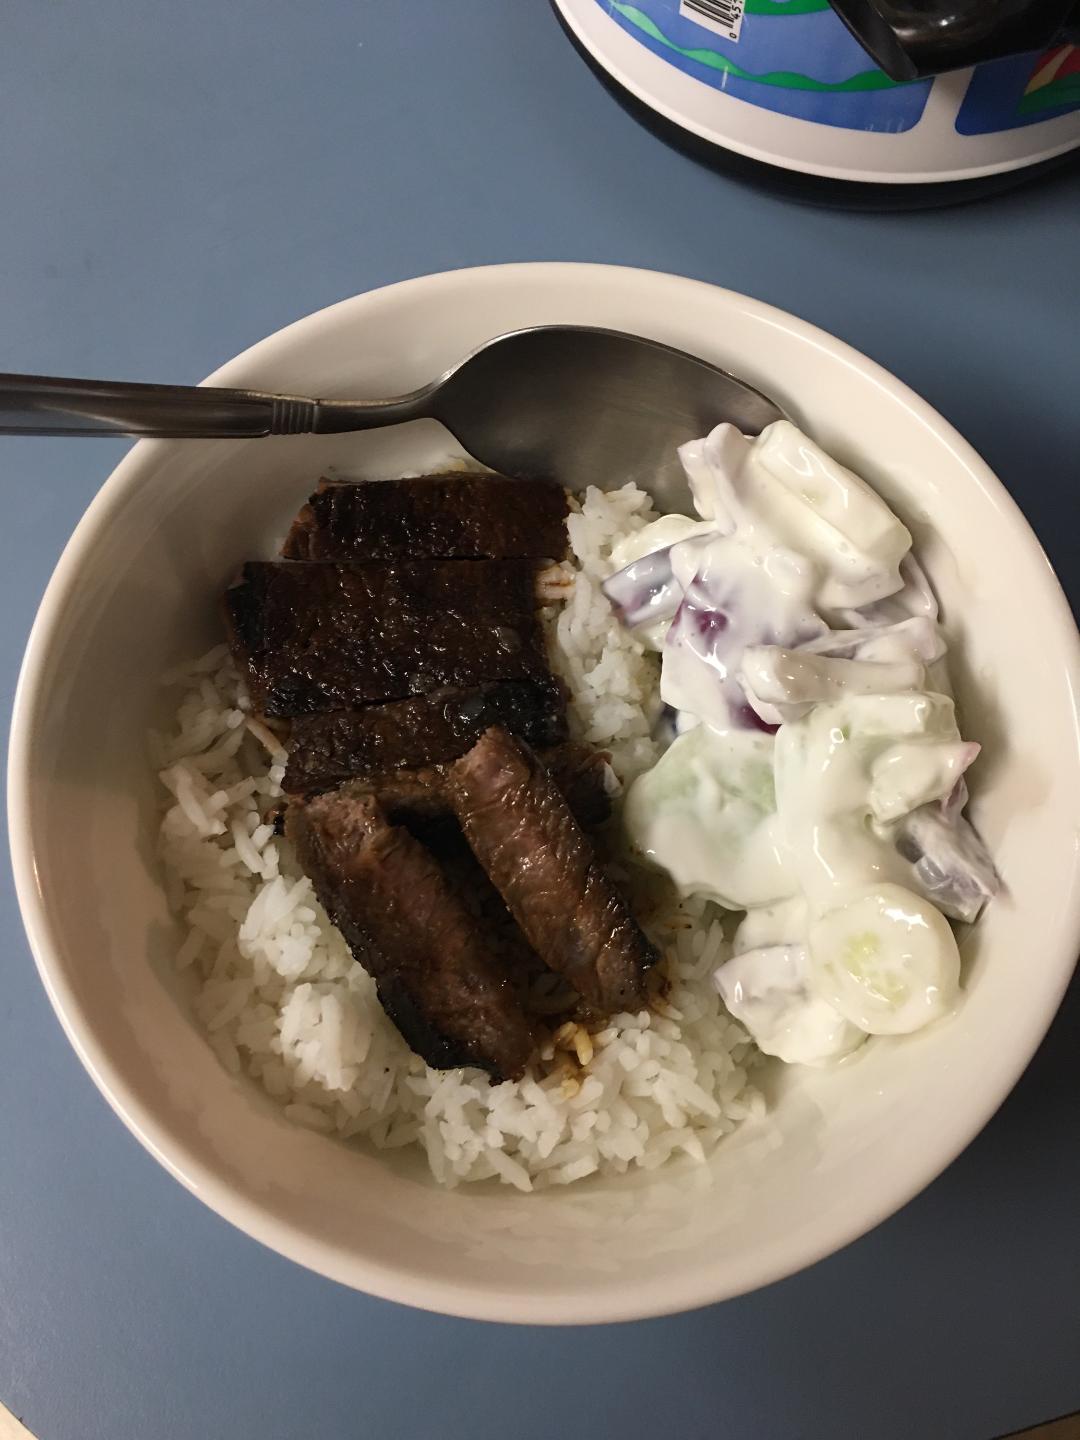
795 57
1022 90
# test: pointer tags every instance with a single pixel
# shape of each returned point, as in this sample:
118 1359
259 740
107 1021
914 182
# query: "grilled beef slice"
435 516
523 833
327 749
437 980
418 798
315 637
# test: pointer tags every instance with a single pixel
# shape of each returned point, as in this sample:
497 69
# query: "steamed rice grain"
281 998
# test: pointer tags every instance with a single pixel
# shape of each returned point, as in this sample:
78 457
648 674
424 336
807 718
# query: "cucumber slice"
886 959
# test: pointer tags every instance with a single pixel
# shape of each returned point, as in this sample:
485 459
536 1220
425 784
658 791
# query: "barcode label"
722 17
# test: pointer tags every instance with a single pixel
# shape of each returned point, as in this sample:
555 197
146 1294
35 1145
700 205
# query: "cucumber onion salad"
816 775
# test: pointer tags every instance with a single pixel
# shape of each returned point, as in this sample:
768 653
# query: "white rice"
282 1000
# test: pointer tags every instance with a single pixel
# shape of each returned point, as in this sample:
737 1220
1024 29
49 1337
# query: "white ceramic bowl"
136 590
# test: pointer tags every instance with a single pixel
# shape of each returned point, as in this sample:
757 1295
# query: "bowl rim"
473 1299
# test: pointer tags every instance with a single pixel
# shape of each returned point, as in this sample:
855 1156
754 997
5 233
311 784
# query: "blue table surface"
181 180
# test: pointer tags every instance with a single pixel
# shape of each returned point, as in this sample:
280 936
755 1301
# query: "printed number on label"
722 17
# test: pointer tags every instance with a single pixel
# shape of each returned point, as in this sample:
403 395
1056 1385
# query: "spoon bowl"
591 407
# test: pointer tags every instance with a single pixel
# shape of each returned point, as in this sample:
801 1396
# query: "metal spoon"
581 405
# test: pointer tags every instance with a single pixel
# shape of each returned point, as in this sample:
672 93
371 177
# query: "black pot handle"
911 39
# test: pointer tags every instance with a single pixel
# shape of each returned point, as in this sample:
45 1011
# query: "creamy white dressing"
706 813
781 489
794 606
647 595
737 591
824 773
766 925
786 684
771 991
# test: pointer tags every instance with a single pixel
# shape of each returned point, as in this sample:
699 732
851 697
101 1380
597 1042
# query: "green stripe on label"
785 7
1065 91
784 79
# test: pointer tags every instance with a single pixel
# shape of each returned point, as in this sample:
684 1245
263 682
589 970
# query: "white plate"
136 590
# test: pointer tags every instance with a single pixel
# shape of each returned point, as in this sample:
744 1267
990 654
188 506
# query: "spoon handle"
46 405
